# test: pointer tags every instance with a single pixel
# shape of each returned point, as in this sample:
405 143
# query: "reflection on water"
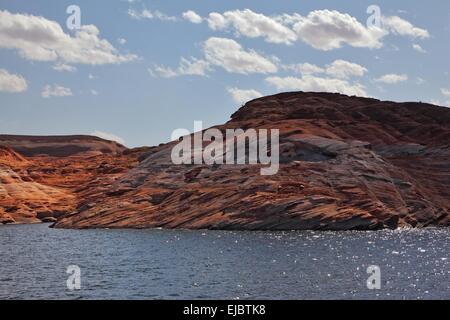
182 264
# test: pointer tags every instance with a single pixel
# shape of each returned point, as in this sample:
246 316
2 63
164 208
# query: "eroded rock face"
43 188
346 163
60 146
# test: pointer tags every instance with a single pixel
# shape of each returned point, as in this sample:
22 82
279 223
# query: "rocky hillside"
43 188
347 163
60 146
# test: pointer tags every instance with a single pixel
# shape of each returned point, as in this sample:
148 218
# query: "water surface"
182 264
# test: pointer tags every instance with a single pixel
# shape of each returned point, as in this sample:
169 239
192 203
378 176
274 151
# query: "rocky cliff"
60 146
347 163
42 188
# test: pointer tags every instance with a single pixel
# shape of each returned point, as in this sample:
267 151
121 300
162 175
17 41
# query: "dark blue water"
174 264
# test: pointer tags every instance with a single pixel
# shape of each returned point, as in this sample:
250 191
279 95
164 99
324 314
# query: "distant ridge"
60 146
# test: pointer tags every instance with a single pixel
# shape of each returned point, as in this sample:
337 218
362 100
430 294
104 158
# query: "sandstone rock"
347 163
60 146
48 219
43 188
5 218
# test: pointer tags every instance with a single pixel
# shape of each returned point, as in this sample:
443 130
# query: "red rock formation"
42 188
346 163
60 146
21 198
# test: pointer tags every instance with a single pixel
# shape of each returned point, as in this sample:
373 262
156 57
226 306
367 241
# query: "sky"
134 71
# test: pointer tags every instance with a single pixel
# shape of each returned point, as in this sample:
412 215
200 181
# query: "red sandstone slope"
60 146
9 157
23 199
347 163
42 188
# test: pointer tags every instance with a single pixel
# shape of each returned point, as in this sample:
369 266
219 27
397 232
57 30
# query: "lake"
202 264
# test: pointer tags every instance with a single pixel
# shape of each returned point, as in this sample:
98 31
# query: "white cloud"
161 71
241 96
37 38
419 48
94 92
55 91
121 41
216 21
288 19
221 52
305 68
91 76
192 67
192 16
147 14
321 29
144 14
64 67
252 25
392 78
402 27
230 55
318 84
337 69
344 69
12 82
108 136
327 30
445 92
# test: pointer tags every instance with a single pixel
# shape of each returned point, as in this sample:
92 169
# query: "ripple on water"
183 264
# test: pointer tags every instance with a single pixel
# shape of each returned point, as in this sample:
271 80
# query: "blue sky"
137 70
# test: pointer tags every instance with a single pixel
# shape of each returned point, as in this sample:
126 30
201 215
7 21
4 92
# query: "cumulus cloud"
321 29
162 71
230 55
341 69
64 67
241 96
305 68
108 136
402 27
217 21
219 52
196 67
147 14
252 25
190 67
39 39
392 78
327 30
345 69
419 48
318 84
12 82
55 91
192 16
